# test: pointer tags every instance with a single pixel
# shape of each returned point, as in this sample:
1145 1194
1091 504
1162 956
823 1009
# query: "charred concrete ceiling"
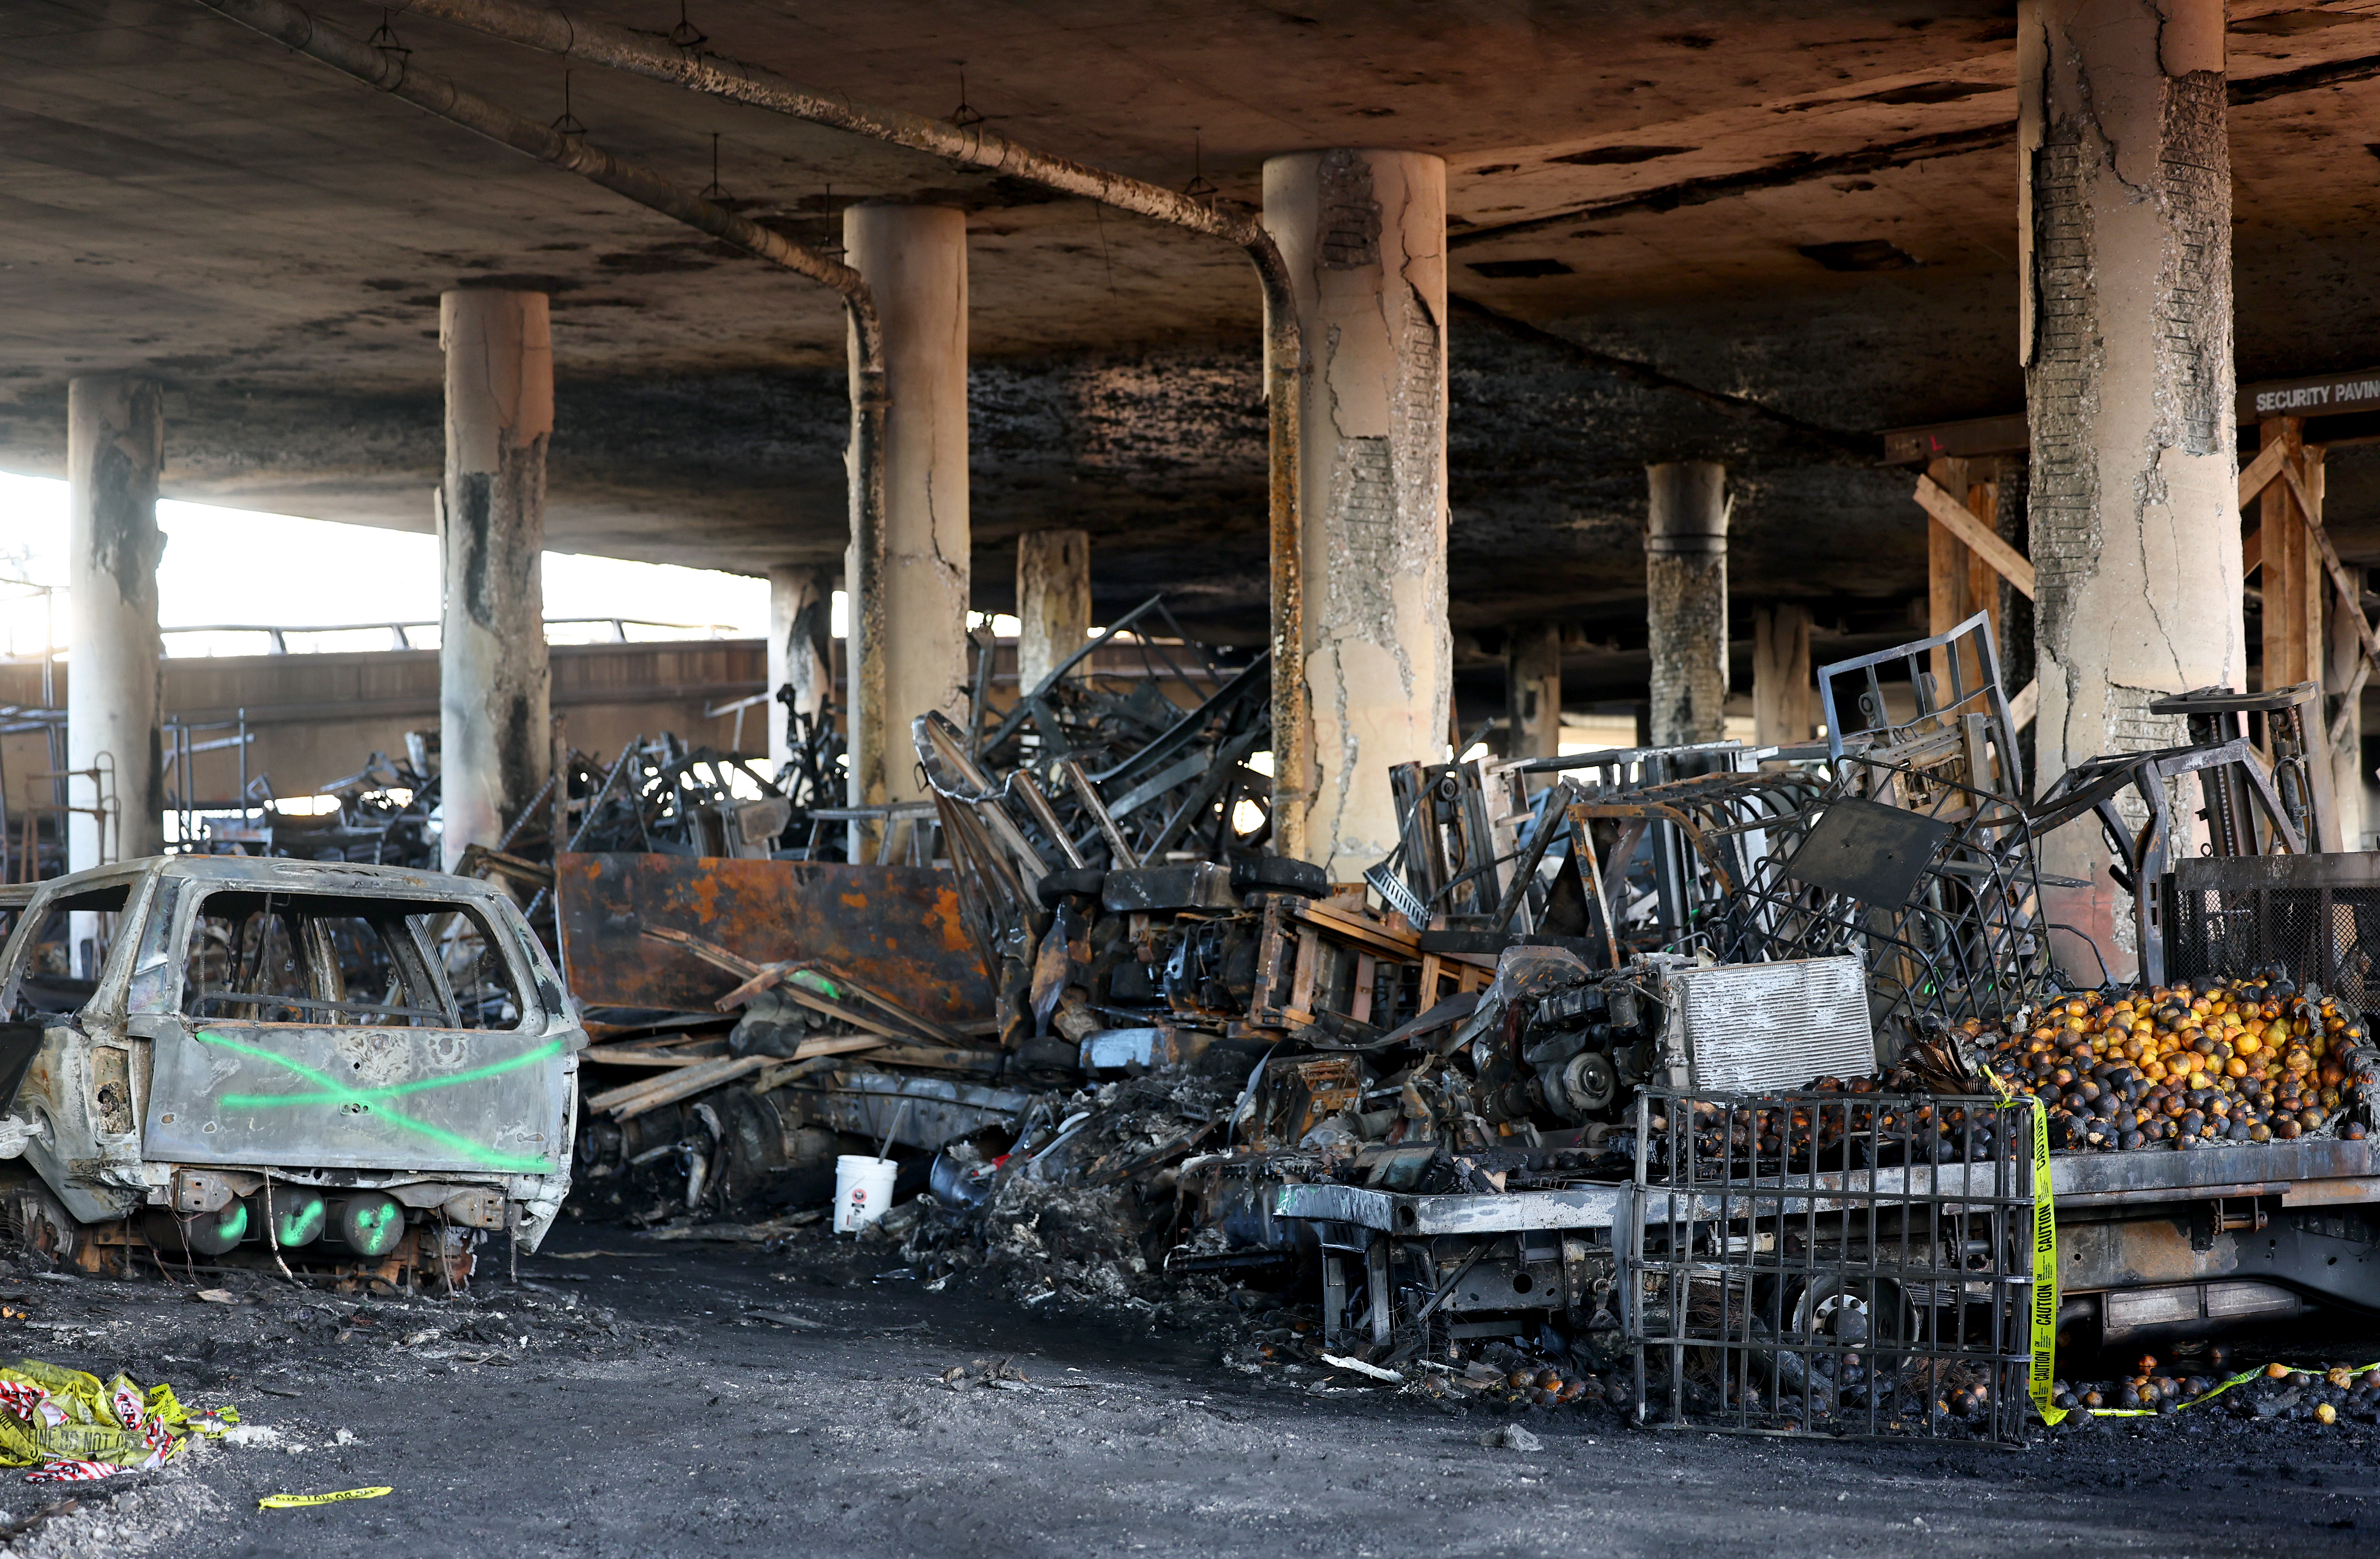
1753 232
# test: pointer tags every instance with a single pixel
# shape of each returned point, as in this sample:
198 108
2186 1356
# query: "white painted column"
1053 601
801 602
116 450
1364 236
495 698
912 625
1686 601
2126 340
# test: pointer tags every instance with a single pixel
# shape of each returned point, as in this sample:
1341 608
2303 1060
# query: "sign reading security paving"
357 1098
2324 396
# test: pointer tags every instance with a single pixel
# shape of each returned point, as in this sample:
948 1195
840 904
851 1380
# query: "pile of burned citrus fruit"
2241 1060
2272 1391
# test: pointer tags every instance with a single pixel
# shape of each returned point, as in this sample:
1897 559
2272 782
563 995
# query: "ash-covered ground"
635 1396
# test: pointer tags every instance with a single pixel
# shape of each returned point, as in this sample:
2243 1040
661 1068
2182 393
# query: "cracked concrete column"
1053 601
495 699
801 605
2125 335
1686 601
115 449
1364 236
1533 691
908 633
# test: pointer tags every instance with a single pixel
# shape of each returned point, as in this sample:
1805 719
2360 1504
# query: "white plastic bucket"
863 1190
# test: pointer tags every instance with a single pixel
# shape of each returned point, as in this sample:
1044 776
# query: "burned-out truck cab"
226 1060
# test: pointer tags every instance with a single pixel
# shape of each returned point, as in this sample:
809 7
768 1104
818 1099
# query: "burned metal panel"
896 929
2208 1169
921 1113
359 1098
1582 1207
1874 853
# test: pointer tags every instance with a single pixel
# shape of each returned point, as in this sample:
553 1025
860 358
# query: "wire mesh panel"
2317 917
1832 1264
1954 935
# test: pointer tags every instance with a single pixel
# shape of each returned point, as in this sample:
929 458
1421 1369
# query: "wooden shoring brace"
2291 583
2286 476
1948 562
1966 558
1958 582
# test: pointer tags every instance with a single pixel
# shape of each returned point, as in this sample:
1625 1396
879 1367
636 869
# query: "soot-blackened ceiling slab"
1751 232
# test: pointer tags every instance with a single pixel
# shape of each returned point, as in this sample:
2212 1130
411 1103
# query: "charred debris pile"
1399 1120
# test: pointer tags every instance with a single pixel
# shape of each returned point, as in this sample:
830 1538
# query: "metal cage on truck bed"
1831 1263
2316 916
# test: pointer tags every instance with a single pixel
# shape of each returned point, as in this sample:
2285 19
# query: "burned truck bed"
2153 1247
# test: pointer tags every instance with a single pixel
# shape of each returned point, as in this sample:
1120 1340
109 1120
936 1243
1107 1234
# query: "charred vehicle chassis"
229 1061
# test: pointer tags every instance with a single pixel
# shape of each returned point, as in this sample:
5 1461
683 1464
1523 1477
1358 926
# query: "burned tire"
1274 874
1050 1062
1082 881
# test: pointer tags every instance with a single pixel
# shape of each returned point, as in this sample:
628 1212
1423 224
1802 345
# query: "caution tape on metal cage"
2042 1370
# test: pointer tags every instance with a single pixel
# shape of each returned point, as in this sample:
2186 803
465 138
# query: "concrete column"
801 605
2125 335
495 745
1364 236
1053 601
1533 691
911 625
115 448
1784 697
1685 591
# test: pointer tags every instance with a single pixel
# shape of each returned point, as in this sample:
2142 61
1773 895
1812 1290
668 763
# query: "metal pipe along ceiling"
654 55
865 457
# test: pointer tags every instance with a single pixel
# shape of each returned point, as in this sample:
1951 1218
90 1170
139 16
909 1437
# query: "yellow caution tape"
292 1501
49 1412
2042 1371
2045 1273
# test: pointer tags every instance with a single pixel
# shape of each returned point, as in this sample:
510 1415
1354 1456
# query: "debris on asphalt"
299 1502
69 1427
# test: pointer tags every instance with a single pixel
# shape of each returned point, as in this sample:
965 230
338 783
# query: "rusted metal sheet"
895 929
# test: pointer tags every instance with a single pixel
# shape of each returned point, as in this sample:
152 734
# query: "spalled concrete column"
115 448
1533 691
801 605
1784 697
495 701
1686 601
909 607
1362 234
1053 601
2126 340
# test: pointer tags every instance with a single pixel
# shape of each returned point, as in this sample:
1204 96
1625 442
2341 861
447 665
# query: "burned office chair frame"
1124 772
1967 739
1941 902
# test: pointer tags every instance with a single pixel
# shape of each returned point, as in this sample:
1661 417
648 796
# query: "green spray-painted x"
337 1092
